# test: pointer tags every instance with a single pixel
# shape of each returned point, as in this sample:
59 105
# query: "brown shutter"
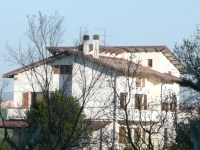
140 101
25 100
136 134
122 135
163 106
136 101
143 135
145 102
56 69
122 100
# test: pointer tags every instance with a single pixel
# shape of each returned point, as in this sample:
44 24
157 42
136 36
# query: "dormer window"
150 62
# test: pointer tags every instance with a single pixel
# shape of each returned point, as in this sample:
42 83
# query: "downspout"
114 112
161 91
161 97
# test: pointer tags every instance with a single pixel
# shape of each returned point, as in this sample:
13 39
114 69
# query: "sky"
127 22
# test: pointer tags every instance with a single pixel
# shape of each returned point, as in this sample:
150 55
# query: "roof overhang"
132 49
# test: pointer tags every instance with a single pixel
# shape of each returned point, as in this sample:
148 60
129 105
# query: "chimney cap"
86 37
96 37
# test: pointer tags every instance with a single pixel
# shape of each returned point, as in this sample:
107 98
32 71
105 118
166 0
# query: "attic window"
62 69
150 62
140 82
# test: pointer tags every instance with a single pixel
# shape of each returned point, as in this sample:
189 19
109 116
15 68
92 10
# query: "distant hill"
7 96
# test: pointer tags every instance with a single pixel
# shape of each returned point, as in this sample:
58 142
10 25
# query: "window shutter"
122 100
140 101
163 106
143 135
122 135
136 134
56 69
136 101
25 100
145 102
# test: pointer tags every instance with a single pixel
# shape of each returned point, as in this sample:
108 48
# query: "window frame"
62 69
150 63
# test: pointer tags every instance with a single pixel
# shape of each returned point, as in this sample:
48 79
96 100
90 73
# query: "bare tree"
46 67
139 122
188 53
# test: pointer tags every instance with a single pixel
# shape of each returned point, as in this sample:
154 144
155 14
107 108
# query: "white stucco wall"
92 86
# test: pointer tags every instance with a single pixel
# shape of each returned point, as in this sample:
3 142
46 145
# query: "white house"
116 83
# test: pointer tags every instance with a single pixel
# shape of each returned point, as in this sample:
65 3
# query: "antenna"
104 29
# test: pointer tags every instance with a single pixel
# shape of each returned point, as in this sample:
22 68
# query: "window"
35 96
25 103
136 134
62 69
140 82
122 99
140 101
139 134
171 106
123 135
150 62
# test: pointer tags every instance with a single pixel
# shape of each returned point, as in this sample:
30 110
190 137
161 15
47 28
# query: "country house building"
135 83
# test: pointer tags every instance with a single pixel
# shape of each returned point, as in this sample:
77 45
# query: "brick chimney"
86 42
96 46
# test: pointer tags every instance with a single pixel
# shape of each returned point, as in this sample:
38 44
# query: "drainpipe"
114 113
161 99
161 90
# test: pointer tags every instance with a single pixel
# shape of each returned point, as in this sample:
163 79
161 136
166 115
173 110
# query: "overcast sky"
130 22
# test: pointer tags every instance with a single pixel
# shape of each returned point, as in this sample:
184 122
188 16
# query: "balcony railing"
16 113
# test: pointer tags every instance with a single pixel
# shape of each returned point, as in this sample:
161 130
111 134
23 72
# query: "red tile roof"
118 64
13 124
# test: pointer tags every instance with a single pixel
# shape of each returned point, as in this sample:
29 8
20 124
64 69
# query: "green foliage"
189 83
128 147
28 142
4 145
192 140
67 123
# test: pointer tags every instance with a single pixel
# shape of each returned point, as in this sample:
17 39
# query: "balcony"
16 113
